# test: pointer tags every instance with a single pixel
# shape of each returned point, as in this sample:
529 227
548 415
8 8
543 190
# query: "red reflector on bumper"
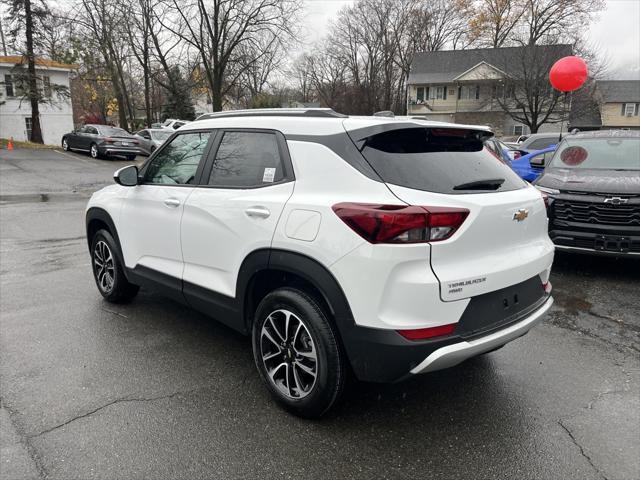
547 287
424 333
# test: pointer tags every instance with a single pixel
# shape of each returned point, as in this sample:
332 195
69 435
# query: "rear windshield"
613 153
438 160
113 131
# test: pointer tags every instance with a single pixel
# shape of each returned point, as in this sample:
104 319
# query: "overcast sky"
616 31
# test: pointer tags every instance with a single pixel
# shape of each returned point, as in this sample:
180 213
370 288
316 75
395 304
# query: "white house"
56 115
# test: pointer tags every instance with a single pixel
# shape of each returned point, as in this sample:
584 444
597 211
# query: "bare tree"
494 23
553 21
26 15
221 31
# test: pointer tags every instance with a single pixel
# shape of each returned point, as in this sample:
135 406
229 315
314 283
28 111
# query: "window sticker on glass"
573 155
268 175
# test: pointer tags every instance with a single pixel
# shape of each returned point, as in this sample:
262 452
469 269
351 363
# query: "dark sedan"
102 141
592 184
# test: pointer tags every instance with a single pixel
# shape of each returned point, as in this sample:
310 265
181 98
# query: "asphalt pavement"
155 390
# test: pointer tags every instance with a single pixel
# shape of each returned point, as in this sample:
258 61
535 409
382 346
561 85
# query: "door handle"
259 212
172 202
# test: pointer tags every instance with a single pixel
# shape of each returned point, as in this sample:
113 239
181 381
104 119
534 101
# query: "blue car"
530 166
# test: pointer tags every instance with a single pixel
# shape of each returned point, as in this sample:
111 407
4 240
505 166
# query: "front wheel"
65 145
108 270
297 354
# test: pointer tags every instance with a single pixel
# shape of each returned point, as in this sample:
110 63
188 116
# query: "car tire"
65 145
94 152
131 158
108 270
303 367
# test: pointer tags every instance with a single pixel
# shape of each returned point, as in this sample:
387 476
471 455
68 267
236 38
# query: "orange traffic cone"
10 144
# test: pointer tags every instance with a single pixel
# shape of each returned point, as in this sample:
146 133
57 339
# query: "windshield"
113 131
612 153
167 123
161 136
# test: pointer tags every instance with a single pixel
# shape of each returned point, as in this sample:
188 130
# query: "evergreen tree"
179 103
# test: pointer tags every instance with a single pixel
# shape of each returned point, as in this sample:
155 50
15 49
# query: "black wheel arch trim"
298 264
97 213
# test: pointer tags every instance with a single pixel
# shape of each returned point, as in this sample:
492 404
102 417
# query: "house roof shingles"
619 90
42 62
444 65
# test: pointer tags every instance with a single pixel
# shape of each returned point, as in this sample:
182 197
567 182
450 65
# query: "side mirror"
126 176
538 161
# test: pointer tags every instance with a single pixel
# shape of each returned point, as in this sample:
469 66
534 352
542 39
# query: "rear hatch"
502 242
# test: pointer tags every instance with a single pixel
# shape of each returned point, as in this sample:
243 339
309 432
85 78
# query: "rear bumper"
380 355
119 150
456 353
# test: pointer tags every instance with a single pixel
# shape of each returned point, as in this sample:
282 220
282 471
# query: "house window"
8 85
629 109
469 92
518 130
28 123
420 94
46 86
438 93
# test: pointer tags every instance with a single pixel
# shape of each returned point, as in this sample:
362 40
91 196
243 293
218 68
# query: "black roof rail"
275 112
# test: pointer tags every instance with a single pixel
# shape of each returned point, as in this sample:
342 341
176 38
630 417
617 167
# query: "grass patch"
16 144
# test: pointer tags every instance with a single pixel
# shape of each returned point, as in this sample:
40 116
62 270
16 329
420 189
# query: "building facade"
473 86
56 114
619 103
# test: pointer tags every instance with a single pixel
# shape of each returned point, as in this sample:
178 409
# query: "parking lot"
153 389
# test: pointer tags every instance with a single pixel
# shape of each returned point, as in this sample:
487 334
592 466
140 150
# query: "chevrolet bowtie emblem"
520 215
615 200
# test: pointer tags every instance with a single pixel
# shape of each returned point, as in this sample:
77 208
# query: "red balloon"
568 74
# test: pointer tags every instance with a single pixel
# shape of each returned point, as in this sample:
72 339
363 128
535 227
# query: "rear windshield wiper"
488 184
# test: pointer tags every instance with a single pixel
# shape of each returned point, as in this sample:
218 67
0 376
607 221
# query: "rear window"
613 153
113 131
438 160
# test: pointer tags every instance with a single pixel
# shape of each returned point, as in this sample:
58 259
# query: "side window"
177 163
91 130
247 159
542 143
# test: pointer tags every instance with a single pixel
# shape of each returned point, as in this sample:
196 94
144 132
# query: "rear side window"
247 159
438 160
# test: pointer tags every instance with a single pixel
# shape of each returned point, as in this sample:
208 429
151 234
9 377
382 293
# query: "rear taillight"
516 155
547 287
425 333
110 140
400 224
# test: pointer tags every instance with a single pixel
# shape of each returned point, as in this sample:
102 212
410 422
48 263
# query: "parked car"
539 141
593 187
173 124
502 150
365 244
102 141
531 165
152 138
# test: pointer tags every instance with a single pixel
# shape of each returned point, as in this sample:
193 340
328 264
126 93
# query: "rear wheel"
93 151
297 353
131 158
108 271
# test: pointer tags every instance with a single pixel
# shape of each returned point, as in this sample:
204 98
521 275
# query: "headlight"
548 191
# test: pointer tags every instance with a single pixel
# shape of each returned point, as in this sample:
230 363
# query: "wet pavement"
155 390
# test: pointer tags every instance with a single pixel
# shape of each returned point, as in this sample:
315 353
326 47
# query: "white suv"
386 247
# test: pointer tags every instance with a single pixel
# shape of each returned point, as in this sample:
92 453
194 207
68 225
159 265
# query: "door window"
177 163
247 159
91 130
